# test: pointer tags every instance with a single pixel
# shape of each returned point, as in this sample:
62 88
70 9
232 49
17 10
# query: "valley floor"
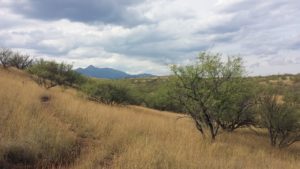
59 128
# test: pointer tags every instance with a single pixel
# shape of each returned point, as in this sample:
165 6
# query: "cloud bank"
148 35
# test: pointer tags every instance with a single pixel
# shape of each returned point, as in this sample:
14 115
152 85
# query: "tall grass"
68 131
30 134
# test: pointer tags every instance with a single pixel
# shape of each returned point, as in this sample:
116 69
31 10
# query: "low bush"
20 61
281 119
5 55
162 99
50 74
108 93
14 59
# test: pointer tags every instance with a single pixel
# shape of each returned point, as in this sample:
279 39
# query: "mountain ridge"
109 73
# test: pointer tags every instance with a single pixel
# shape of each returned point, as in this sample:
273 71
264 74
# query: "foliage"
153 93
297 78
50 74
161 98
5 55
20 61
281 118
14 59
214 93
107 93
235 104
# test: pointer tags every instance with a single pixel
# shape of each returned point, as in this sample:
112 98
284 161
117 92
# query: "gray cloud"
264 27
148 34
90 11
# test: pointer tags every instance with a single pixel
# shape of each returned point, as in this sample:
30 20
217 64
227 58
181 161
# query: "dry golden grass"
90 135
287 81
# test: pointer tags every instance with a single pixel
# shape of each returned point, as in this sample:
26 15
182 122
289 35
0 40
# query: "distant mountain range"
108 73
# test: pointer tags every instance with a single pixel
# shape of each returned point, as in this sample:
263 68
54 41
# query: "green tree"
234 104
281 118
214 93
50 74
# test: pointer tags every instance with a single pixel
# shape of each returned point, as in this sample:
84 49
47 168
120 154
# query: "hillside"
108 73
59 128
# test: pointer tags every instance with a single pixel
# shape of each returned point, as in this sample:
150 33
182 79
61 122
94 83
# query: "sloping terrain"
59 128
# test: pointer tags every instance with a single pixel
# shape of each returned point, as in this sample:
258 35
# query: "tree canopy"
214 93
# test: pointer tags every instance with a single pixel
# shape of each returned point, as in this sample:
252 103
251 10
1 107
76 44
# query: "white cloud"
265 33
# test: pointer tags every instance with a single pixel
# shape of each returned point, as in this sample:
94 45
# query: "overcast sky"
148 35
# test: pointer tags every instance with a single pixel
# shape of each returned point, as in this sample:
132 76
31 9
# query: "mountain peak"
108 73
90 67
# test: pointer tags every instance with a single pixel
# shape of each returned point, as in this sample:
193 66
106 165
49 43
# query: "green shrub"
297 78
282 119
108 93
162 98
50 74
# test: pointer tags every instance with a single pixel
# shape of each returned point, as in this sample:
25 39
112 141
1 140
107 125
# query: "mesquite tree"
281 118
5 55
20 61
214 93
9 58
50 74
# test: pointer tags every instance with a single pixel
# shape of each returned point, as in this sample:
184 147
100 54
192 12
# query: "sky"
147 36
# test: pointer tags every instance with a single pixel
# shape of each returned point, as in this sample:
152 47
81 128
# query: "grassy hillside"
58 128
